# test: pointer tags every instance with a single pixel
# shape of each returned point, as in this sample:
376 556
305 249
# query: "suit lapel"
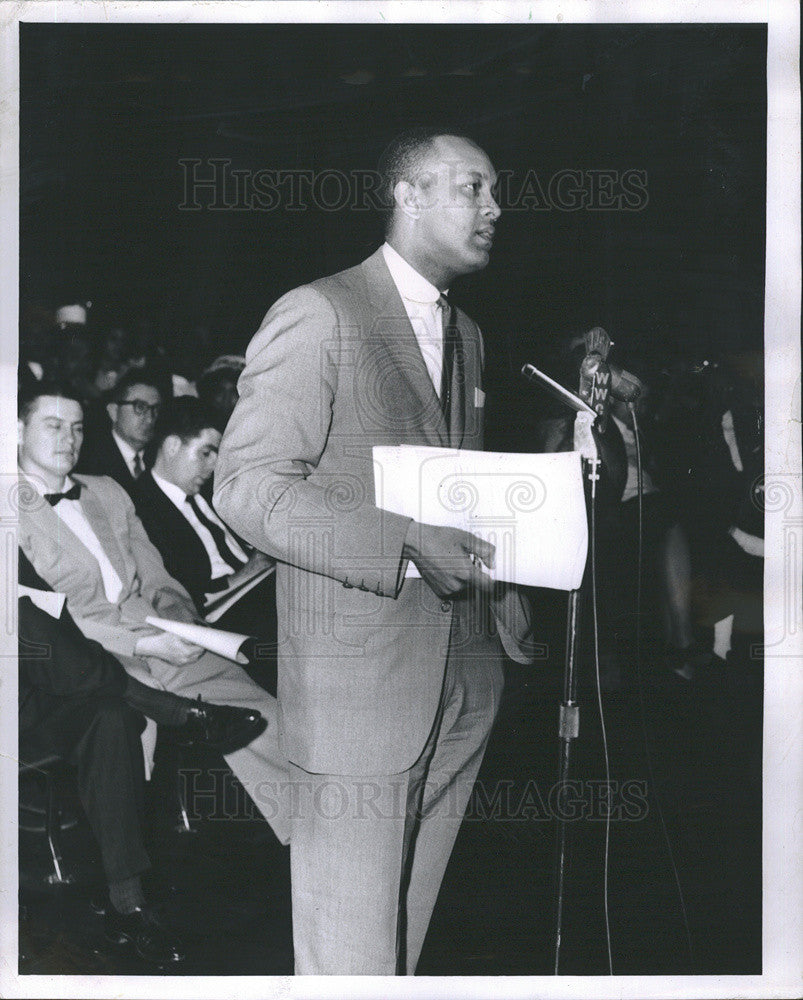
174 522
390 322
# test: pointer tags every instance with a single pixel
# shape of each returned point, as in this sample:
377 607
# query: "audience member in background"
665 546
77 701
727 478
114 358
85 540
119 448
198 549
666 591
71 703
217 387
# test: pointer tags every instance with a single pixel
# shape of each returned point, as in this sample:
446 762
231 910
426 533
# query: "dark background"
107 112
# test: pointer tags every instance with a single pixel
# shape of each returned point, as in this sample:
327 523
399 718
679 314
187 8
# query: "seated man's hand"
171 648
448 558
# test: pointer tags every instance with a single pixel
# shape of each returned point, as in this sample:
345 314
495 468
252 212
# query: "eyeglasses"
141 407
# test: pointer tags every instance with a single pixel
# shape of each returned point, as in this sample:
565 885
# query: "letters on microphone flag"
530 507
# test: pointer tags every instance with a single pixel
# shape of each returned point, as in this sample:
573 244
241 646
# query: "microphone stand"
597 374
569 717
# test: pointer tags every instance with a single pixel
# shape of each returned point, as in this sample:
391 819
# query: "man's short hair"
31 392
402 159
185 417
141 376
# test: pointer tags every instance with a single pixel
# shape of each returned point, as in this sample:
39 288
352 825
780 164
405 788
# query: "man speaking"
388 685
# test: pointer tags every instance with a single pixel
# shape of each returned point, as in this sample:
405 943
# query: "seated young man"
83 538
197 547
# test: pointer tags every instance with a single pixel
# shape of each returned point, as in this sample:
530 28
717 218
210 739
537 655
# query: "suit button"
446 606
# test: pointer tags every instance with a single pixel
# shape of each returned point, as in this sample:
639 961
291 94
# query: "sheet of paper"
50 602
530 507
220 603
225 644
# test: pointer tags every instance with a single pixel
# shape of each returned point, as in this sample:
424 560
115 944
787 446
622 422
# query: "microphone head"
625 385
597 341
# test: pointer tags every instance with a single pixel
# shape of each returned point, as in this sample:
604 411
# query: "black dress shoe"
221 727
143 930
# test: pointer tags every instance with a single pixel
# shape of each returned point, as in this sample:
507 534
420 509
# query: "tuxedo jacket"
64 562
100 456
334 370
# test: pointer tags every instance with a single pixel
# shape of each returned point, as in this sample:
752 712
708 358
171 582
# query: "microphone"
625 385
595 374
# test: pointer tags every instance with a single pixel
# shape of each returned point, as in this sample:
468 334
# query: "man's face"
189 464
49 441
136 428
457 212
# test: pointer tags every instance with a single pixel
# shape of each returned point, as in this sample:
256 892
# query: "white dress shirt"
128 453
420 298
70 513
178 498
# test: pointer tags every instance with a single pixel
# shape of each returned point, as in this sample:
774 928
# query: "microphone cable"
642 713
606 856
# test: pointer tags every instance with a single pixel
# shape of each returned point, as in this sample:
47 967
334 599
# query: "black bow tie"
73 493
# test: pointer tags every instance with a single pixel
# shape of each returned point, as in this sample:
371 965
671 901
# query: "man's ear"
405 195
171 445
112 409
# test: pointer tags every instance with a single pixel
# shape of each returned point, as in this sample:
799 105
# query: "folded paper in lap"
225 644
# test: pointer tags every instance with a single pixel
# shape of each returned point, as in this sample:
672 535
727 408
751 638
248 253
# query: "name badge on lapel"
479 397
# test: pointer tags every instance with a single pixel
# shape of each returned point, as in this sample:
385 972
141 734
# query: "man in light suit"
388 687
83 538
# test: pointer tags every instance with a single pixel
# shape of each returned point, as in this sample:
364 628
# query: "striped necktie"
452 358
218 536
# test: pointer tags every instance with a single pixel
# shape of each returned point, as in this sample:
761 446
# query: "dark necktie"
139 468
73 493
218 535
452 358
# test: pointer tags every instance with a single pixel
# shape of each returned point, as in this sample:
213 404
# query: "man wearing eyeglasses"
119 450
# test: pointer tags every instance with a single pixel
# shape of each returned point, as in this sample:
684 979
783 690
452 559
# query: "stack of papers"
530 507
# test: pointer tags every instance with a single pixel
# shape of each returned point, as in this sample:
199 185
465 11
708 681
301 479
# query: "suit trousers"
260 767
368 854
99 734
